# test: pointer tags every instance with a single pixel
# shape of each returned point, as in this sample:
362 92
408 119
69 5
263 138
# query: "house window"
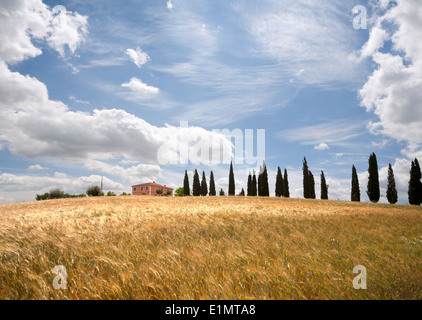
134 189
147 188
142 188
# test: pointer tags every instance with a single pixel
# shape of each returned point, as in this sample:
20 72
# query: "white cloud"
169 4
22 21
136 85
24 187
393 92
322 146
36 167
138 57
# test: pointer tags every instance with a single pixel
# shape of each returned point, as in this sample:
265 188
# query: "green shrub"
94 191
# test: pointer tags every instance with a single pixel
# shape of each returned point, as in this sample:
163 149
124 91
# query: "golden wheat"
209 248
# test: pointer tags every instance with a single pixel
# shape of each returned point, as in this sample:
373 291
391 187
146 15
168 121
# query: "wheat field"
209 248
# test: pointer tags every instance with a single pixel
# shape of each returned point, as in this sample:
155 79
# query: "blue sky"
92 89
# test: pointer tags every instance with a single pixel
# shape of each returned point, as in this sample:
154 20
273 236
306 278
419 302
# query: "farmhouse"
150 189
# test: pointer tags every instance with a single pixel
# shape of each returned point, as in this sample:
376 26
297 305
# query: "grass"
209 248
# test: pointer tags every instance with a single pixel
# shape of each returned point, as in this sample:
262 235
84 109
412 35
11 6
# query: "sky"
92 89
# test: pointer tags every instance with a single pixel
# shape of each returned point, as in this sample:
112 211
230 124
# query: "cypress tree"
306 183
242 193
355 186
186 188
204 187
415 187
265 186
279 184
324 187
391 187
232 188
196 188
212 185
286 184
222 194
373 179
249 190
311 186
254 188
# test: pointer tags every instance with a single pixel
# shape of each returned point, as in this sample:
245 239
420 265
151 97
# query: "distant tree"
56 194
254 185
204 187
186 188
232 187
311 186
373 190
242 193
286 184
212 185
249 189
355 186
324 187
94 191
415 186
124 194
111 194
196 188
263 188
159 191
306 182
41 197
279 184
180 192
222 192
168 193
391 187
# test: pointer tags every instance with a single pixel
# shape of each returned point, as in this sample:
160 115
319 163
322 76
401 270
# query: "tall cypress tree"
232 187
311 186
324 187
286 184
265 186
249 190
279 183
212 185
186 188
391 187
373 179
254 187
260 181
355 186
415 186
306 183
196 188
204 187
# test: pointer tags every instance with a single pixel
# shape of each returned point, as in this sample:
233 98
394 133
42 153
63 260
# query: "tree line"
258 184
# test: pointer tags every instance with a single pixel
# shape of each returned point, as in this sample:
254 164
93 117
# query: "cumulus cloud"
393 91
36 167
24 187
138 57
322 146
169 4
136 85
25 20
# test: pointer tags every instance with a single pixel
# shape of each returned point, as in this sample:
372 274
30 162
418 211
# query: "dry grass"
209 248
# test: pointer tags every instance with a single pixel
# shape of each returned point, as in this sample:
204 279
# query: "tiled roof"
152 184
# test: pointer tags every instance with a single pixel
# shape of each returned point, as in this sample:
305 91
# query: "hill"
209 248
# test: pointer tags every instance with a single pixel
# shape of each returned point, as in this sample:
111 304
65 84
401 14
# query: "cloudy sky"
92 89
